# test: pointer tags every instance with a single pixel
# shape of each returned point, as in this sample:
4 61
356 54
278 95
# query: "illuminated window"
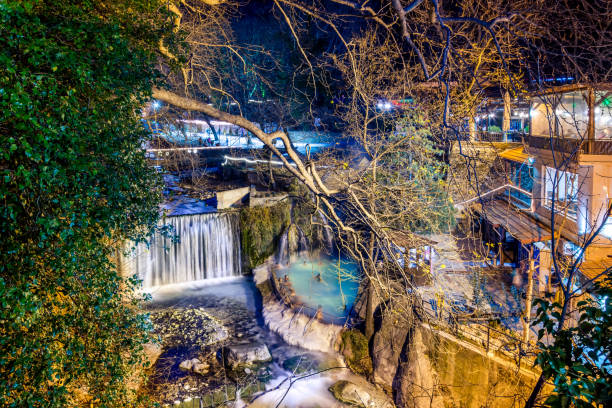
562 188
572 115
603 115
563 115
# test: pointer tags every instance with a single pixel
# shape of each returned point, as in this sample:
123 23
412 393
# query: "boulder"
360 395
300 364
247 354
195 366
152 352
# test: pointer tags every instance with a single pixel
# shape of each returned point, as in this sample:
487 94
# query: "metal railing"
460 205
493 339
571 146
511 136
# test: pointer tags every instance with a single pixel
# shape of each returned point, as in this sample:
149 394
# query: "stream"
235 302
205 311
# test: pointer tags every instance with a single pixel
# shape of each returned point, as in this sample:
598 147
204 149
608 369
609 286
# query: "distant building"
220 127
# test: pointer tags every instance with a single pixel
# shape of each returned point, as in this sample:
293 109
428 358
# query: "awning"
519 224
517 154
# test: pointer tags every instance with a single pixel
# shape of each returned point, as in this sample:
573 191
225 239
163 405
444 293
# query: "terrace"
573 119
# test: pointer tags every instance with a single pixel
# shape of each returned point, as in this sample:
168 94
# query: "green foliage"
579 360
414 179
356 352
260 230
494 128
73 77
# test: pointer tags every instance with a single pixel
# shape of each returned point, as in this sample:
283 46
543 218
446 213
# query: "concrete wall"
226 199
265 200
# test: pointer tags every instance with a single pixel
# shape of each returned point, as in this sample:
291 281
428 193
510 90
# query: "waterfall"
208 247
292 242
328 236
282 255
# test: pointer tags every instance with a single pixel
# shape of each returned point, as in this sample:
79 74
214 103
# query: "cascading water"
208 247
292 242
328 236
282 254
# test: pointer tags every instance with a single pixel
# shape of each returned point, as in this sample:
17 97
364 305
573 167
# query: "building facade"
559 185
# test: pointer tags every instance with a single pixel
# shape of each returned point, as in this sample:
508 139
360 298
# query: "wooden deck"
518 223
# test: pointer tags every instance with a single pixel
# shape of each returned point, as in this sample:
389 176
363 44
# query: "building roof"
517 154
571 87
518 223
593 269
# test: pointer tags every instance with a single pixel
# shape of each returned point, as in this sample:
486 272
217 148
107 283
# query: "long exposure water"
202 272
208 247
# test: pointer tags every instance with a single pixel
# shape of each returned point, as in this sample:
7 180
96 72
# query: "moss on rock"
354 348
260 230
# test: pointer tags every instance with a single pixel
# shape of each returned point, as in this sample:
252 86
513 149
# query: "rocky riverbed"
216 349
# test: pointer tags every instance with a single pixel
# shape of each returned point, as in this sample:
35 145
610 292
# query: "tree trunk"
270 157
472 128
535 392
507 112
369 321
528 299
212 129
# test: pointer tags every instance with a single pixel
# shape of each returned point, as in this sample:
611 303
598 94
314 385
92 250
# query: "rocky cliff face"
416 381
387 345
426 368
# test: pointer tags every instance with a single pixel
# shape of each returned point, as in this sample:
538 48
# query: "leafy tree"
75 183
579 360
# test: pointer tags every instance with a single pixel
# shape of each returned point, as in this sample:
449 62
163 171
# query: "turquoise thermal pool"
329 283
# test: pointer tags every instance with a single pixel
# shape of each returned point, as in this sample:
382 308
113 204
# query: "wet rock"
195 366
247 354
188 327
301 364
299 329
361 395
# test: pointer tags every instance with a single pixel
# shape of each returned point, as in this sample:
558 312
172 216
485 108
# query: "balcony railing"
571 146
485 136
